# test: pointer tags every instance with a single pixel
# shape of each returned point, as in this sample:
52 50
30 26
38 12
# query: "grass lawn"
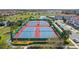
23 16
70 43
16 17
4 36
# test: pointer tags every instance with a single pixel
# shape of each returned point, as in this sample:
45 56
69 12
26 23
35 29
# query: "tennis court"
40 23
35 30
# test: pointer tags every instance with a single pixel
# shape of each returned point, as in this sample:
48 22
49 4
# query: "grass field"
4 36
70 43
16 17
26 15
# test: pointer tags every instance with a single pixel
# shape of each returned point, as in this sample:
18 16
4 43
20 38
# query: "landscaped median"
27 42
22 42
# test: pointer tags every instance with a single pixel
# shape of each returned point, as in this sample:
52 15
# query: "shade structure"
43 18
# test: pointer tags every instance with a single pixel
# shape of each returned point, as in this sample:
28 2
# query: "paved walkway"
74 43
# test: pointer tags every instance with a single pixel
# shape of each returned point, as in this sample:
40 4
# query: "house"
73 20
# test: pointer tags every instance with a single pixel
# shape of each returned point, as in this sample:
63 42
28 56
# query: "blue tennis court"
46 29
27 35
47 32
40 23
47 35
43 32
44 23
43 29
32 23
29 29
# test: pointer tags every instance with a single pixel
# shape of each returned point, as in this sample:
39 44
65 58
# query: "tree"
38 13
66 42
66 34
19 22
0 37
53 19
64 20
